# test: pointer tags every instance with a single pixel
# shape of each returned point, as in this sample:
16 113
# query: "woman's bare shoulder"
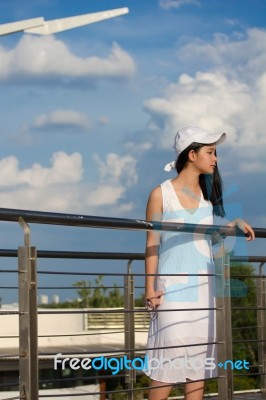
155 204
156 194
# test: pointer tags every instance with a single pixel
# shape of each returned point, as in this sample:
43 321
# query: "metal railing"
27 286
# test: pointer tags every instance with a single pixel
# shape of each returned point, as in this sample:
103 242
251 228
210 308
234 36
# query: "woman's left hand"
243 226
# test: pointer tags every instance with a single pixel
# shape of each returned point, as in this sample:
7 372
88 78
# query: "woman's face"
205 159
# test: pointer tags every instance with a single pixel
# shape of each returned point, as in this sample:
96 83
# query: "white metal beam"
18 26
59 25
40 27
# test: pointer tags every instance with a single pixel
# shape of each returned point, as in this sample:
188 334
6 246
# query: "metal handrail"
37 217
41 217
100 255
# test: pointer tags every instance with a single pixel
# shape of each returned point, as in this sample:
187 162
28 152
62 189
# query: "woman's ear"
191 155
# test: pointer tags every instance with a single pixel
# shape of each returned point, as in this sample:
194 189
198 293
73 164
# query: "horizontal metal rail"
40 217
93 255
108 255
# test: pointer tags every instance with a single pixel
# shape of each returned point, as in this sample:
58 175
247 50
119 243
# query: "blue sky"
88 116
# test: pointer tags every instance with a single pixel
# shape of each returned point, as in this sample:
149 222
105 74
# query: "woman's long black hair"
211 184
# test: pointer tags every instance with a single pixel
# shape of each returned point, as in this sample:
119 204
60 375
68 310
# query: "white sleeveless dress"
183 253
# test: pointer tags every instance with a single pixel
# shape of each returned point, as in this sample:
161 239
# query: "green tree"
84 291
115 298
98 299
97 295
244 321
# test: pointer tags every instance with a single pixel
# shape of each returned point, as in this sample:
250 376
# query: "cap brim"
214 138
221 139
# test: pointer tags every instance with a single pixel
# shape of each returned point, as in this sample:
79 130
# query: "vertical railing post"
129 321
228 325
28 334
223 324
261 304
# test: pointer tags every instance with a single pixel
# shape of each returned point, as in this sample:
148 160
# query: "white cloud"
252 167
105 195
65 169
62 118
61 187
103 120
232 21
209 100
117 174
138 148
230 96
117 168
243 55
42 58
167 4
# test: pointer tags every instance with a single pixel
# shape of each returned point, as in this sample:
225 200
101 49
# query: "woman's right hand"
243 226
156 297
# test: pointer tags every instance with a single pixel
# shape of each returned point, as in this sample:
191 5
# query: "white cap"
186 136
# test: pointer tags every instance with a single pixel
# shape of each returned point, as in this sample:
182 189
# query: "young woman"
183 334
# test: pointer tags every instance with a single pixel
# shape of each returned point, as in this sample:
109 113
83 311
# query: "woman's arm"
244 226
153 213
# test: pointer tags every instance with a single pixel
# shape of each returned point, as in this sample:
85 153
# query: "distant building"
43 299
55 299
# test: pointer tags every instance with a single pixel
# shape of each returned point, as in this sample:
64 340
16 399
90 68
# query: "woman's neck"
187 179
